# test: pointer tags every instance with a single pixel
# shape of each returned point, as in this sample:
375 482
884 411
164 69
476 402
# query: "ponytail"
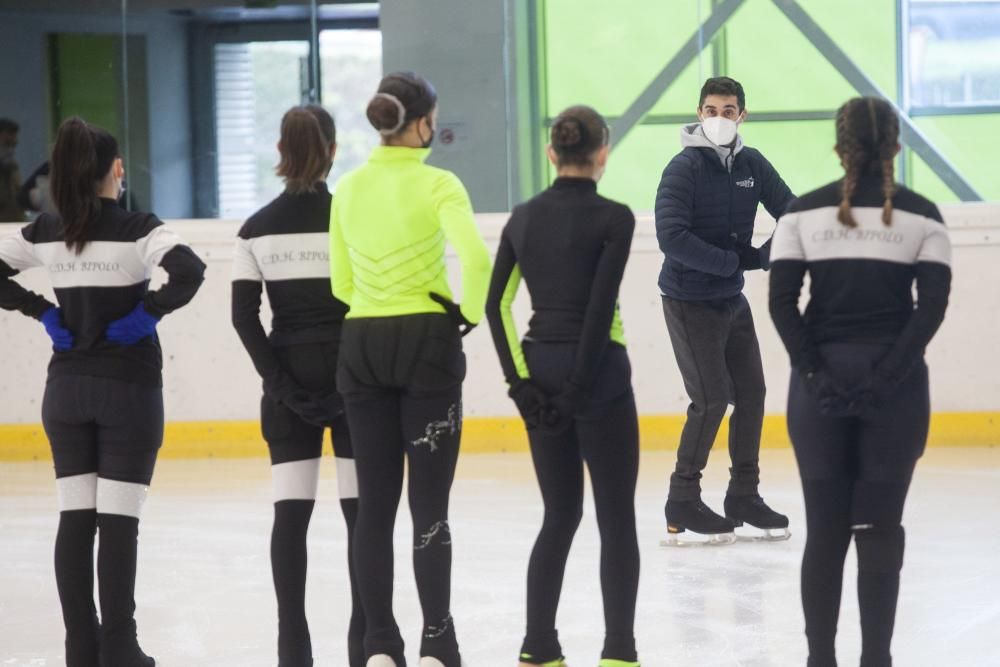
82 157
308 135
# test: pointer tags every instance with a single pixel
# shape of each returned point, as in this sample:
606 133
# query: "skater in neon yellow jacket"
401 363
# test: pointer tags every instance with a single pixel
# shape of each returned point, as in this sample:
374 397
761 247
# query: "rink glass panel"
604 54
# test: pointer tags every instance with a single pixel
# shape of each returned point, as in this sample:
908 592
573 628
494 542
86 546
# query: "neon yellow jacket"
389 223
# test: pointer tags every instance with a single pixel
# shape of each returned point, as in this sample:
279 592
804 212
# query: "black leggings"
606 438
296 448
105 435
855 476
401 378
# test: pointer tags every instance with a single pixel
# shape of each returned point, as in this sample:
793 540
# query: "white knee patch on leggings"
123 498
347 479
295 480
78 492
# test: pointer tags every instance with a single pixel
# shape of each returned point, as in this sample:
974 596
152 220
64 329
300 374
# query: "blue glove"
62 338
132 328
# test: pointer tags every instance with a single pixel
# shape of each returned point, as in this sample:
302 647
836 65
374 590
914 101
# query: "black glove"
322 409
832 398
563 407
873 394
750 258
454 312
318 410
530 400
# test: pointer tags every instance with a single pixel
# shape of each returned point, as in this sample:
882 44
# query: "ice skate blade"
767 535
674 539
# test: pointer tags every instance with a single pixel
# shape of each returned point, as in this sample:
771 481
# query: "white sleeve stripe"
786 243
936 246
17 252
244 263
157 243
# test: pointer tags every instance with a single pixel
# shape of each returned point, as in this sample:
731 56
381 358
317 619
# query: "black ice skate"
753 511
696 517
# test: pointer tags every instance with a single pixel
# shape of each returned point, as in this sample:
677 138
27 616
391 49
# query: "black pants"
401 378
606 437
296 447
105 435
856 472
715 344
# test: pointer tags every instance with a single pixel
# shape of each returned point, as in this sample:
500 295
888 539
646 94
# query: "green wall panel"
87 79
801 151
969 142
604 54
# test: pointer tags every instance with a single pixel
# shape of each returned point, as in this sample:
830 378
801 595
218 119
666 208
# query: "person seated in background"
34 195
10 174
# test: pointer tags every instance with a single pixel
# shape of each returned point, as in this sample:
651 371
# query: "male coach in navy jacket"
705 210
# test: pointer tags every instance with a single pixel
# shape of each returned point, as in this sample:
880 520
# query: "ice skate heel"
380 660
754 512
696 517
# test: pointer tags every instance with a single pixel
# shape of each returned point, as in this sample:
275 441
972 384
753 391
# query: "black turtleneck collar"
319 188
574 183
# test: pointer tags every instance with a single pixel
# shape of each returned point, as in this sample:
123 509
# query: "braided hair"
867 142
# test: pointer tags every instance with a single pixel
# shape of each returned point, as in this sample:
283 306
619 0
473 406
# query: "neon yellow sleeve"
459 225
341 274
509 326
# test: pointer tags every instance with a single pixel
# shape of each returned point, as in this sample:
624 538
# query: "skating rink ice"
205 597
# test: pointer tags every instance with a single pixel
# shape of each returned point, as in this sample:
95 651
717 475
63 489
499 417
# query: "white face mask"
720 131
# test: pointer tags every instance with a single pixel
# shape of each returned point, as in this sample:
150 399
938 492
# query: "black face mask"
426 143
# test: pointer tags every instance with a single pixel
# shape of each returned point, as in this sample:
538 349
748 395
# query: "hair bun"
386 113
568 133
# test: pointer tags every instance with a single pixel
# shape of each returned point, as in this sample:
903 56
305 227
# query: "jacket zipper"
732 185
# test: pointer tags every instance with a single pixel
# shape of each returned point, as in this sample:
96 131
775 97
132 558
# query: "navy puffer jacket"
705 213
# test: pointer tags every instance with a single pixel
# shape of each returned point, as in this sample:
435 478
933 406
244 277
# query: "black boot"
752 510
697 517
74 561
116 562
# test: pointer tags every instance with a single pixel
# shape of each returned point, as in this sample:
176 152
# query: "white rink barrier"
208 376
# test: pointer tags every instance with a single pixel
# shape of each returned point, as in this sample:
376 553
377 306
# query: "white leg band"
78 492
124 498
295 480
347 479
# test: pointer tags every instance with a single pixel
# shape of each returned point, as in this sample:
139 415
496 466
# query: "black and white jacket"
285 247
861 279
102 284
